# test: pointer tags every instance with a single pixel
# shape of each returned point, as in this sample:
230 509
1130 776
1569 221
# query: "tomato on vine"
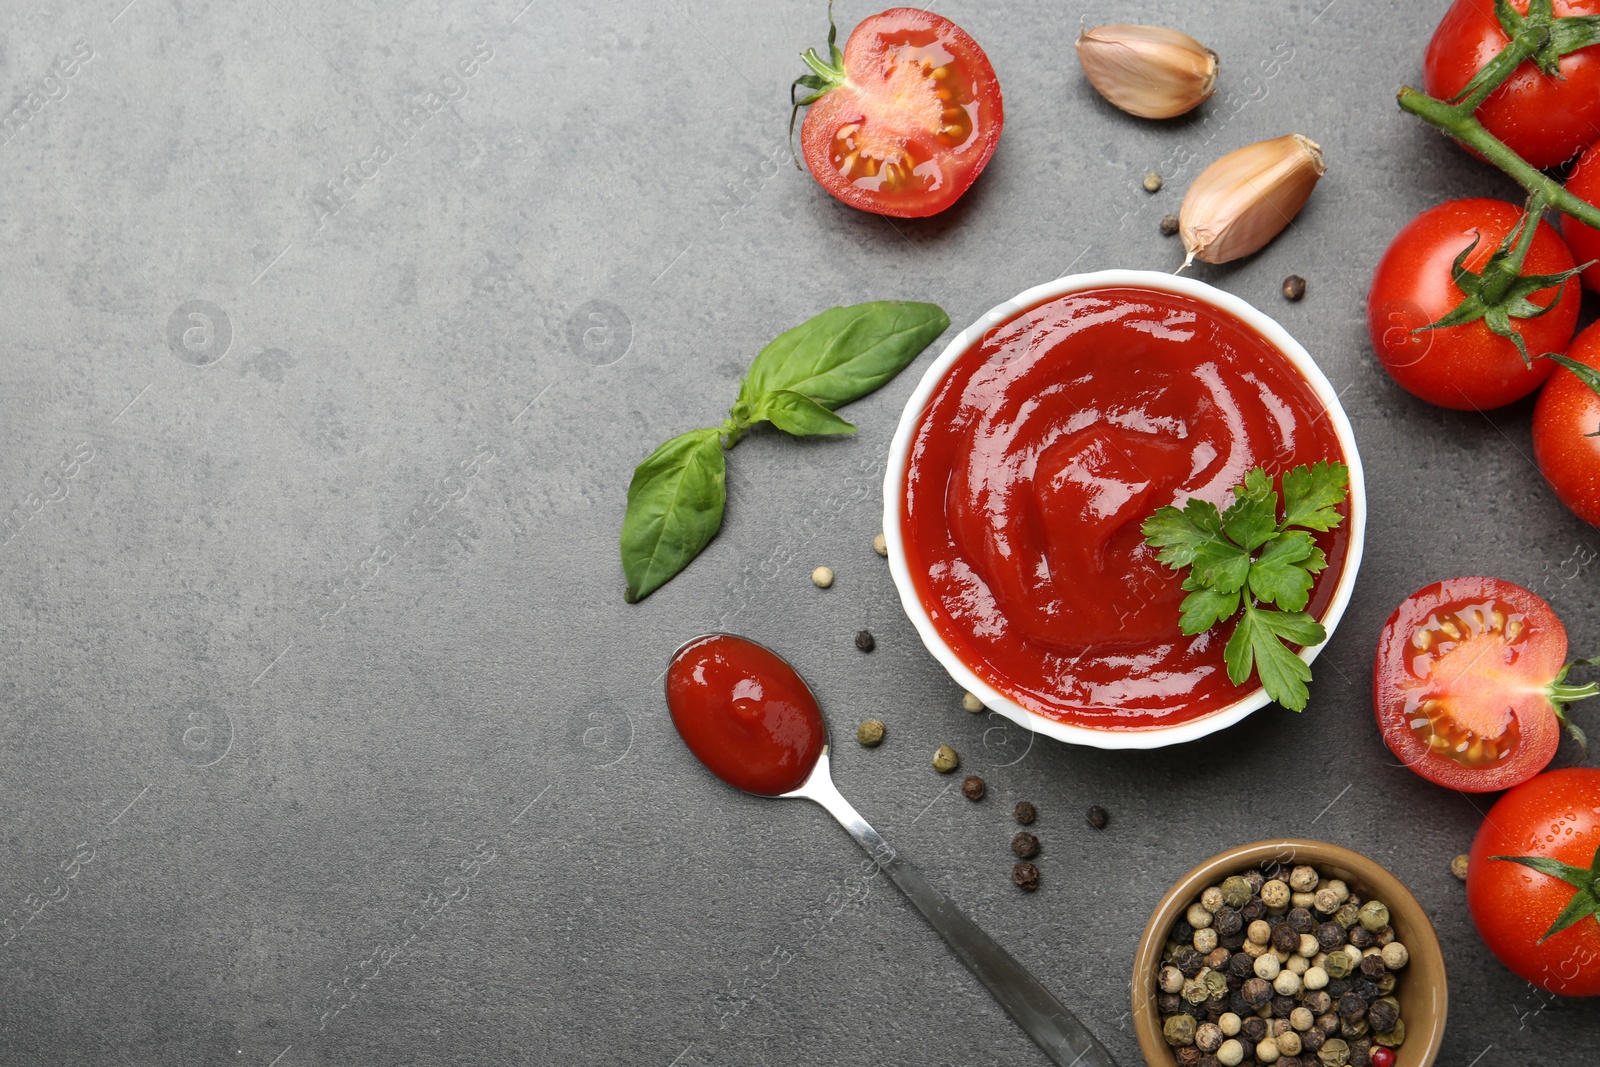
1566 431
1469 684
905 118
1465 296
1547 109
1533 881
1584 241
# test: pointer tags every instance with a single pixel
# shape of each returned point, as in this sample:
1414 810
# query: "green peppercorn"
1347 915
1216 984
1236 891
945 760
1386 984
1383 1015
1179 1030
1338 965
1374 916
1393 1038
870 733
1152 182
1334 1053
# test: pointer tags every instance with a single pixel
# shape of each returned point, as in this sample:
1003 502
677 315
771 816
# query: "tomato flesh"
1584 241
915 121
1544 120
1566 413
1459 686
1465 367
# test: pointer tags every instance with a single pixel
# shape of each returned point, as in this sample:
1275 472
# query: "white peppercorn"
1287 983
1325 902
1299 965
1303 879
822 577
1254 949
1314 978
1395 955
880 545
1259 931
971 702
1197 916
1211 899
1275 895
1170 979
1205 940
1267 966
1302 1019
1303 900
1289 1043
1267 1051
1230 1053
1339 889
1309 946
1229 1023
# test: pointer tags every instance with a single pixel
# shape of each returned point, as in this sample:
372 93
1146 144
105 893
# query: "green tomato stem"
1460 123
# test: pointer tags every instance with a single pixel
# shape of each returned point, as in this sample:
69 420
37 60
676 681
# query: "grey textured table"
325 734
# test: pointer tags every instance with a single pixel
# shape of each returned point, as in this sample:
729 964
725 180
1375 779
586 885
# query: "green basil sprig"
677 495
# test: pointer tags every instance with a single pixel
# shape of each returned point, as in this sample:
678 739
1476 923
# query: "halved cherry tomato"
1544 120
1567 411
1541 922
1464 367
907 120
1584 241
1469 683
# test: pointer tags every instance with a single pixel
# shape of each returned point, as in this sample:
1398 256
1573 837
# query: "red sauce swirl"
1037 459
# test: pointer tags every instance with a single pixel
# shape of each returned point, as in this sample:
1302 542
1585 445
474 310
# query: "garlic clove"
1246 198
1148 71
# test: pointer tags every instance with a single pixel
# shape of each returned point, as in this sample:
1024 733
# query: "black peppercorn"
1167 1003
1209 1061
1214 1008
865 641
1227 921
1330 935
1182 932
1294 287
1169 225
1338 987
1232 942
1236 981
1242 965
1098 817
1253 910
1367 990
1360 937
1255 878
1300 921
1361 1052
1026 846
1025 813
1026 876
1382 1015
1372 967
1188 1056
1282 1006
1317 1002
1312 1039
1352 1007
1255 1028
1194 1011
1257 993
1290 1061
1329 1024
1284 939
972 787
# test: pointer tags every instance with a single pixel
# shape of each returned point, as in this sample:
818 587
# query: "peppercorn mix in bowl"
1313 956
1030 463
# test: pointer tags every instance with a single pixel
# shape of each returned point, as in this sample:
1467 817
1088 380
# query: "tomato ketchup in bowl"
1031 453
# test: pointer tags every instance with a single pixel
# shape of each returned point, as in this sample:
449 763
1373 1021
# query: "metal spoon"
1056 1030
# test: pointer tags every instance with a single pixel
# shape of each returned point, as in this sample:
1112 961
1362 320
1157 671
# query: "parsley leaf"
1246 557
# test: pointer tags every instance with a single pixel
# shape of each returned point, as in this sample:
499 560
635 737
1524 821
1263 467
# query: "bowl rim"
899 460
1421 940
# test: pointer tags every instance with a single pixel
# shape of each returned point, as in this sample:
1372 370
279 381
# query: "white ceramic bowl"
899 457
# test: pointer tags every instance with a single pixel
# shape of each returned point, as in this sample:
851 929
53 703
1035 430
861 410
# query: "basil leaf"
798 414
675 506
846 352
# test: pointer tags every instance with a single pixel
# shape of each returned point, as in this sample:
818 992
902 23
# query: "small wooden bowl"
1421 989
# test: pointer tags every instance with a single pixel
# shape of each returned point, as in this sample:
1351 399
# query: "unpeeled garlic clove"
1247 197
1148 71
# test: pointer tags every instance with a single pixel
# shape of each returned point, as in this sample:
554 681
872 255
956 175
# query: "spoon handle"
1056 1030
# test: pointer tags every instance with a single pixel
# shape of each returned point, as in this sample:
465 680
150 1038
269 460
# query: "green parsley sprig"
1248 558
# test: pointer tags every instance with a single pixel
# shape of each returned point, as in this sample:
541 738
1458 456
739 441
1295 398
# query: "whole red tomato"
1567 411
1554 820
907 119
1584 241
1464 367
1469 683
1545 120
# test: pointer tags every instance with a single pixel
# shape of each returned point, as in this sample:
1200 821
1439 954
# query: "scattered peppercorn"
1169 225
880 545
971 702
1026 846
1025 813
822 577
1153 182
870 733
1294 287
865 641
972 787
1098 817
1458 866
1026 877
945 760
